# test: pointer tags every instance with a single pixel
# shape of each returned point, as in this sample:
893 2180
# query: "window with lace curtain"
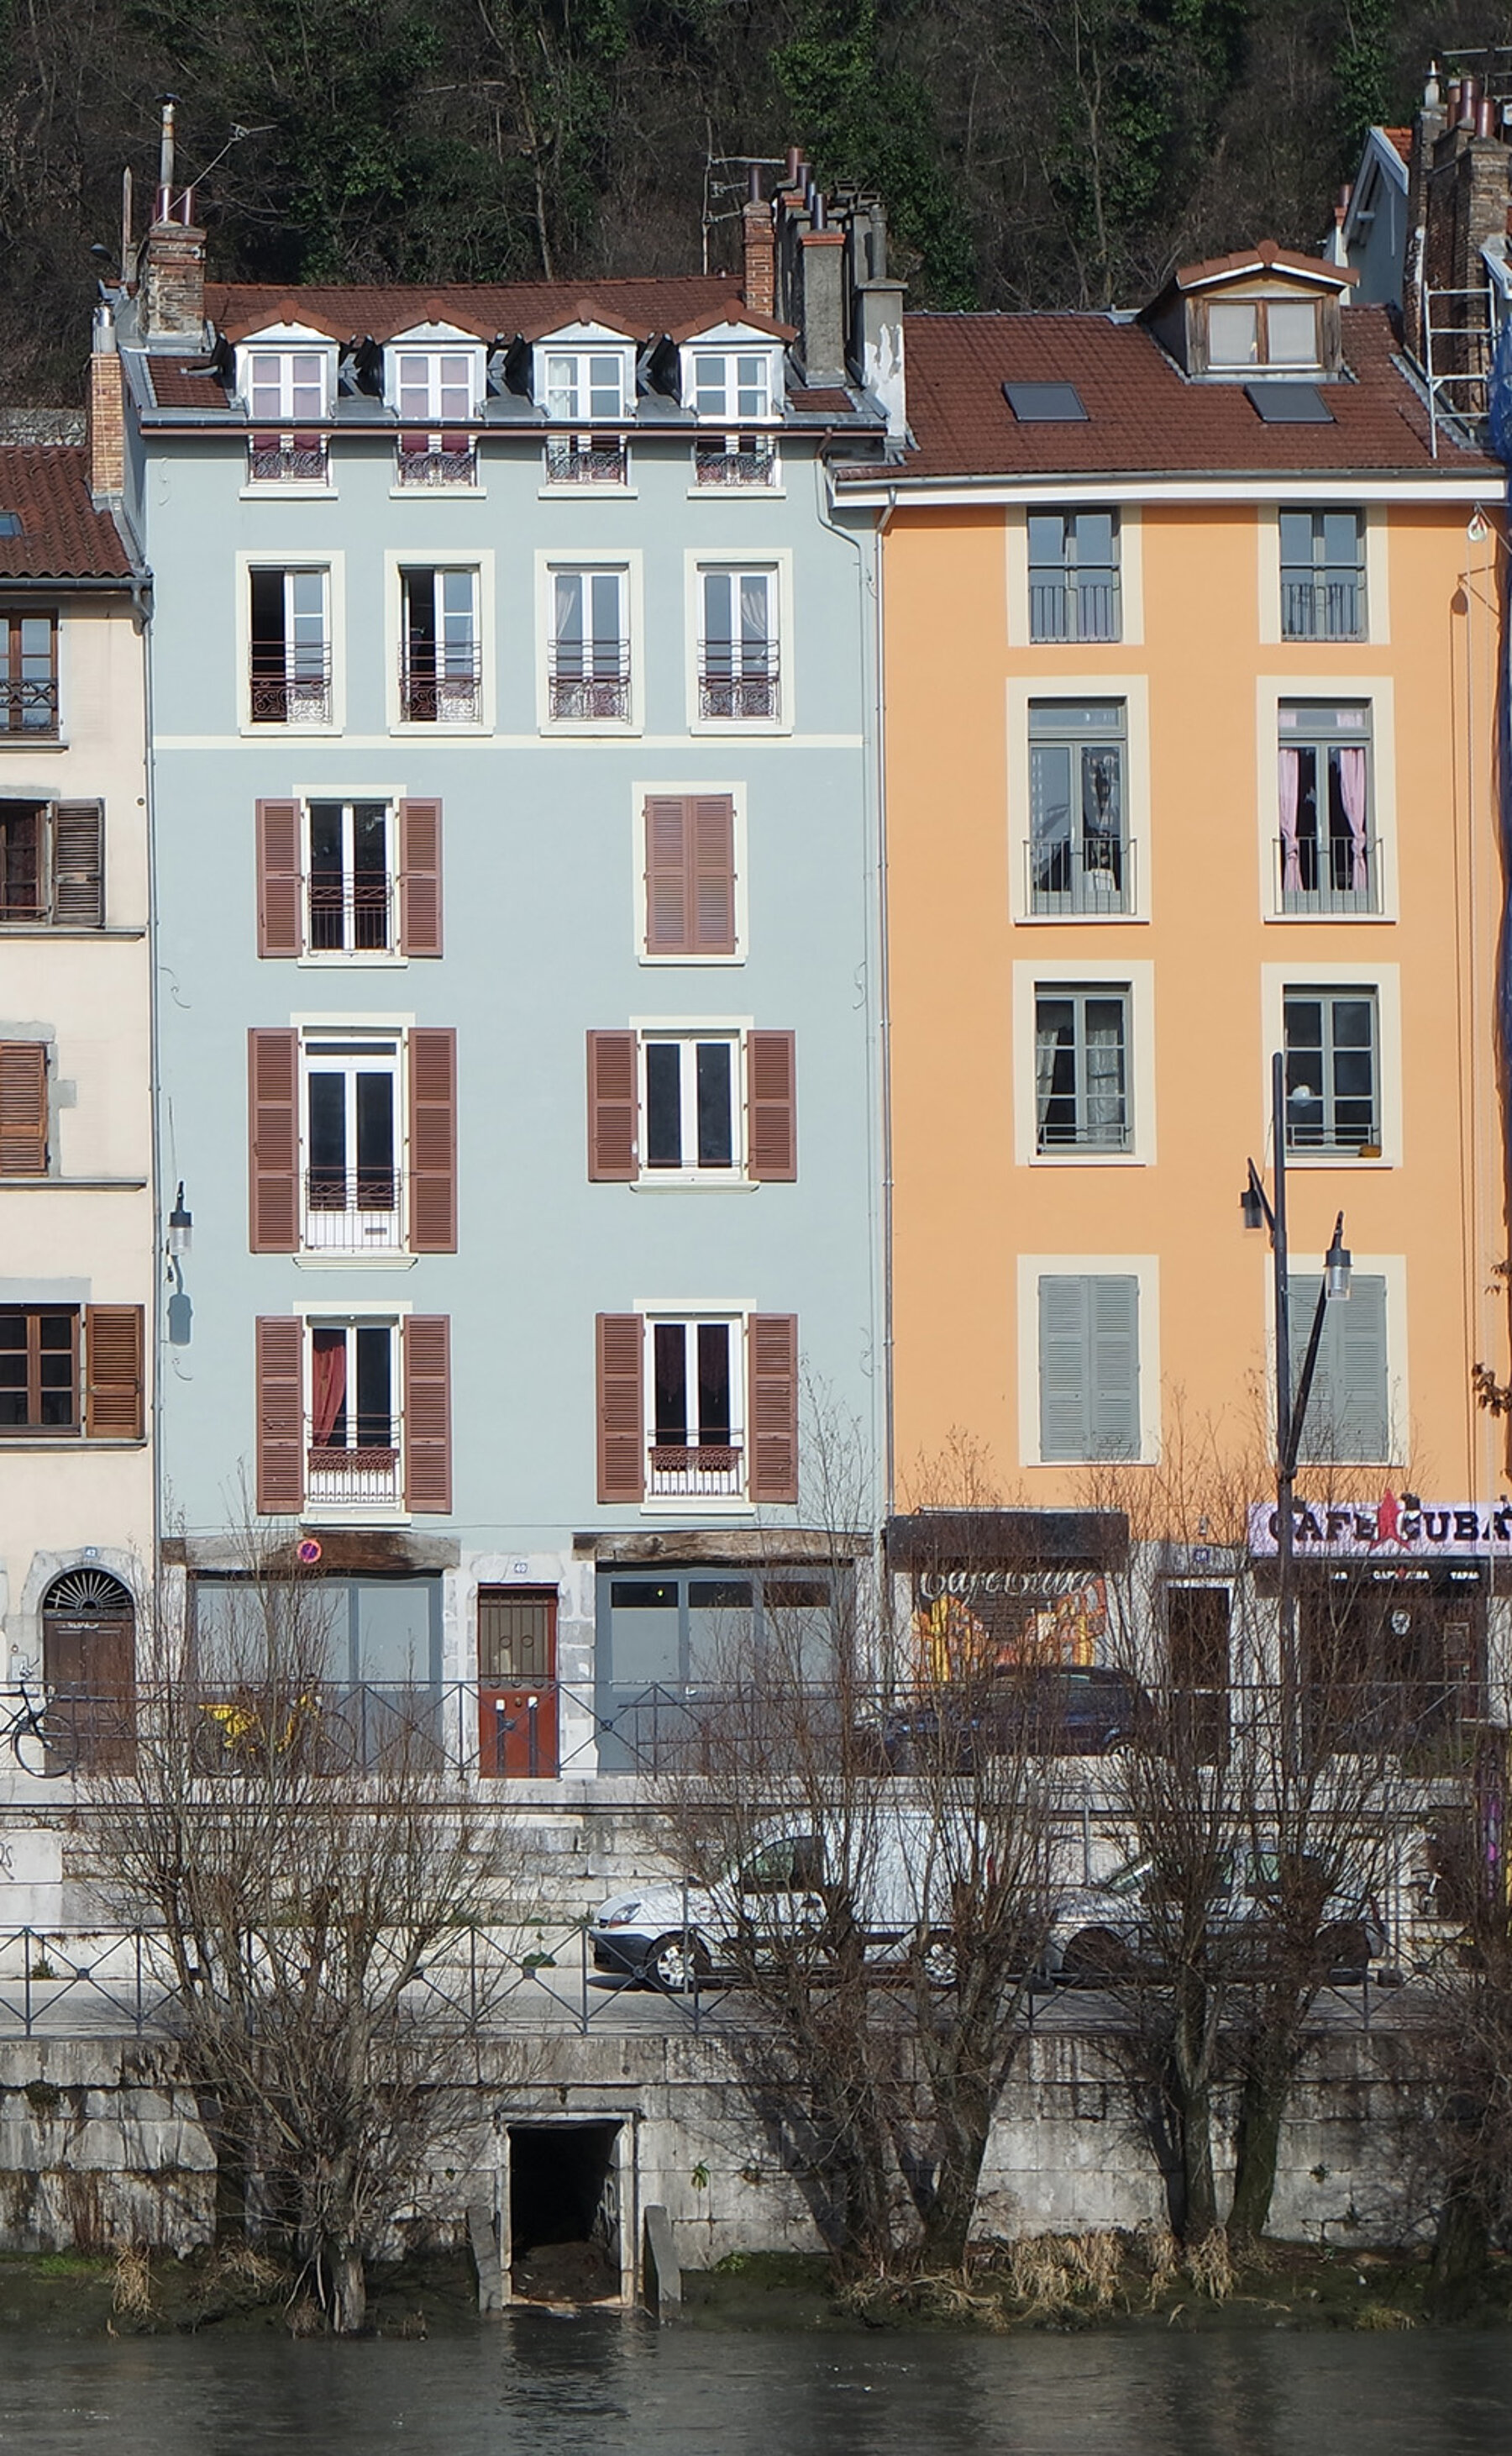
1081 1068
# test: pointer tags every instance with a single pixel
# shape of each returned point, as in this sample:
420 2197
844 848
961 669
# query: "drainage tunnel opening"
563 2211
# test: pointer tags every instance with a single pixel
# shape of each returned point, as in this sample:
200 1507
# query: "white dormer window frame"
449 359
584 377
270 360
732 379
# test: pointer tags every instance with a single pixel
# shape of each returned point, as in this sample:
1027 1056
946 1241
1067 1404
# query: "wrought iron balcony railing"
737 684
701 1471
1331 876
742 461
586 460
354 915
368 1478
287 460
291 687
590 685
442 686
430 462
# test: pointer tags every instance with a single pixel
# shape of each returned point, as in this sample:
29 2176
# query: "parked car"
675 1937
1053 1709
1108 1932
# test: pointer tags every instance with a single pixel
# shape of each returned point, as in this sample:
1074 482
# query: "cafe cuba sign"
1397 1528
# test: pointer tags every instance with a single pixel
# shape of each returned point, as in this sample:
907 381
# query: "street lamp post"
1291 1413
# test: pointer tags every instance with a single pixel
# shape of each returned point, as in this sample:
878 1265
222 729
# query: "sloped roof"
1401 141
62 536
377 311
1143 414
1266 255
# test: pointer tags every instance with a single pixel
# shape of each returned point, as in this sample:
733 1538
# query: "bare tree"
312 1879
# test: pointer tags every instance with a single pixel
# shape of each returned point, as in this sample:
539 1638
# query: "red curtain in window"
328 1382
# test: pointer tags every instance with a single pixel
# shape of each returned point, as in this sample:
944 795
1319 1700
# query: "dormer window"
434 387
434 393
1245 333
288 395
731 387
582 386
285 386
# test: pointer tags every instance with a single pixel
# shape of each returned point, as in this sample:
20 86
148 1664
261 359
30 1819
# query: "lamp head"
181 1224
1337 1265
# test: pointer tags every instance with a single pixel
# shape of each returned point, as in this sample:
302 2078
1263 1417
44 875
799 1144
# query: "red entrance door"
516 1681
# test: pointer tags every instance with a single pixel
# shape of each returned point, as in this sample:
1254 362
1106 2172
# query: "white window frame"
1032 981
1273 692
324 958
1075 690
627 563
424 557
689 789
1385 981
732 1031
730 351
315 1315
334 566
777 569
691 1312
388 1248
433 352
582 343
1130 592
286 341
1393 1269
1145 1268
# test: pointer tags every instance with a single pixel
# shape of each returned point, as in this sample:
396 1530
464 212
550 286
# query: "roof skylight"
1289 405
1045 404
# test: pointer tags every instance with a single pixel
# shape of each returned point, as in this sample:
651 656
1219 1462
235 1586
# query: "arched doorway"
88 1663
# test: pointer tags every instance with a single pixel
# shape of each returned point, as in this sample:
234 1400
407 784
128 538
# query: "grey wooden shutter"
78 866
23 1108
428 1413
1089 1366
612 1107
772 1406
279 884
420 878
1349 1410
620 1344
113 1363
280 1415
772 1111
272 1138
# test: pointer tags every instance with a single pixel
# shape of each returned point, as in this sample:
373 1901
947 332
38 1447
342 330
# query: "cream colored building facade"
78 1251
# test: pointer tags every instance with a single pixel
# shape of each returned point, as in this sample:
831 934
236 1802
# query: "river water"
600 2385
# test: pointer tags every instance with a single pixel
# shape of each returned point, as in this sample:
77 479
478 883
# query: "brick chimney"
173 279
760 284
107 412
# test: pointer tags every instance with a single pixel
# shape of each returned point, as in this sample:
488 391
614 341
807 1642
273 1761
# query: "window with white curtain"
737 649
1081 1068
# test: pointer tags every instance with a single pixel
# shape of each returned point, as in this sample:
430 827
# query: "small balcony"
709 1471
353 1211
369 1477
429 462
442 686
351 916
742 461
591 686
586 460
1075 609
1081 876
1334 876
1319 608
291 689
287 460
29 706
738 686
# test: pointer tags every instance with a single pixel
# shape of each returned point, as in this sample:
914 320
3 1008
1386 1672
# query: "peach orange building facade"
1190 653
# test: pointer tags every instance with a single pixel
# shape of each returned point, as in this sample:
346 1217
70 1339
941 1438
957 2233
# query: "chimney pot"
816 205
1468 103
794 165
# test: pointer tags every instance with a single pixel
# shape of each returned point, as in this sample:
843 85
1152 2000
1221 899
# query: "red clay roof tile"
1143 415
63 537
638 307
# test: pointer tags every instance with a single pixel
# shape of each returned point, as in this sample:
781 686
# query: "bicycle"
44 1742
234 1735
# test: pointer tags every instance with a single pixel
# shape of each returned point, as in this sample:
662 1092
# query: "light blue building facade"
515 839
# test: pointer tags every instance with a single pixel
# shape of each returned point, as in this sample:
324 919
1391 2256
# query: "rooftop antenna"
165 157
127 266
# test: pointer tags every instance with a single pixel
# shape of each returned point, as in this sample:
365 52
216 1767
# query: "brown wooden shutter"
433 1142
772 1409
280 1415
612 1107
78 866
428 1412
771 1106
668 869
273 1166
279 914
712 919
420 878
113 1362
621 1418
23 1108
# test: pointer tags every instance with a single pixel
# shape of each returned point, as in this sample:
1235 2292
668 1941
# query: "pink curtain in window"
328 1386
1351 792
1291 785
